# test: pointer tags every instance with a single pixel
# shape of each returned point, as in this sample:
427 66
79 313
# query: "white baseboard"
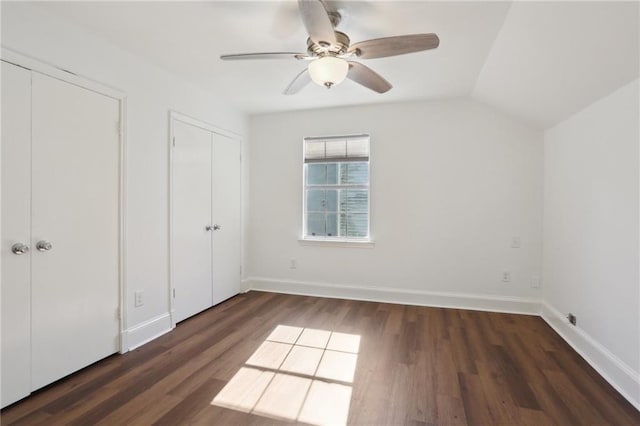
475 302
621 376
142 333
245 285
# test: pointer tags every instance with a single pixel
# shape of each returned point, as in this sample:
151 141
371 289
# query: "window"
336 188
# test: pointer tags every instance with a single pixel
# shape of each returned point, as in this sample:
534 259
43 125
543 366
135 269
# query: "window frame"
335 240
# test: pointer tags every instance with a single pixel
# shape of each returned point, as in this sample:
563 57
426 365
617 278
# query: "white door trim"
38 66
177 116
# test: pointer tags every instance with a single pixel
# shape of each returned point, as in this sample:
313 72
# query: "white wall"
451 183
151 93
591 252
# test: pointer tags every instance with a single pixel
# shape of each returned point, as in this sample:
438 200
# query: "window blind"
336 149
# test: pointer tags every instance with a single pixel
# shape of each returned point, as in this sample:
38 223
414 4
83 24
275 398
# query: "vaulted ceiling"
541 61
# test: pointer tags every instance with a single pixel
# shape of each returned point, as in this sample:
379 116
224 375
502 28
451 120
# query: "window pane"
354 200
355 173
343 173
354 225
316 174
331 200
332 224
315 224
332 173
315 200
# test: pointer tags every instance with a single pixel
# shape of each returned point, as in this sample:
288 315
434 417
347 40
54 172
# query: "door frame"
50 70
177 116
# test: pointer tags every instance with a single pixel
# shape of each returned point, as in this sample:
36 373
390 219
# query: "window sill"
336 243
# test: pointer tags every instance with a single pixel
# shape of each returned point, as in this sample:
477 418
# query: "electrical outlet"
293 264
572 318
138 298
506 276
515 242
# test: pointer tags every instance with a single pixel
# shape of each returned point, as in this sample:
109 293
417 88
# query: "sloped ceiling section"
552 59
187 38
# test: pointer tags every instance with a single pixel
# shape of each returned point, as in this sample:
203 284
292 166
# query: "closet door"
191 227
16 230
227 194
75 228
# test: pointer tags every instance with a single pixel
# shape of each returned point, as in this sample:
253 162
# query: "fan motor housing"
339 48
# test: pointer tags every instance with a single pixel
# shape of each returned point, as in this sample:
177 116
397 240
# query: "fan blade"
367 77
392 46
316 21
298 83
265 55
287 20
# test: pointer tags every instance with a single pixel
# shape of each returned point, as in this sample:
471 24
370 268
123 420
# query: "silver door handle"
19 248
44 245
217 227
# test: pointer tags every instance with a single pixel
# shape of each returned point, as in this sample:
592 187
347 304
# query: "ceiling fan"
330 52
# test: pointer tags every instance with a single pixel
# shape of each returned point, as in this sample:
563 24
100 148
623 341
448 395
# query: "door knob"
208 228
216 227
19 249
44 245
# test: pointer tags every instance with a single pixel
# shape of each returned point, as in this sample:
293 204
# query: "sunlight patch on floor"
244 390
297 374
269 355
326 404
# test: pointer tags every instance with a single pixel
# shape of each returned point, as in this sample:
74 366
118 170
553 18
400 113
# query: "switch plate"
535 281
506 276
293 264
138 298
515 242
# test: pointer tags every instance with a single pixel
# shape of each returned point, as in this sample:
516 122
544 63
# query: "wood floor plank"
476 404
573 398
551 404
450 411
413 365
594 388
516 381
503 409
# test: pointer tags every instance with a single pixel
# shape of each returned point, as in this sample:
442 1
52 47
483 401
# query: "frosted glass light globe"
328 71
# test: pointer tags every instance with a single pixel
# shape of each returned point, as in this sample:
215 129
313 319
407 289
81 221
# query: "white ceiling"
541 61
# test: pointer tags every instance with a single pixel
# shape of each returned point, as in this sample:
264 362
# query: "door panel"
75 207
16 228
226 213
191 215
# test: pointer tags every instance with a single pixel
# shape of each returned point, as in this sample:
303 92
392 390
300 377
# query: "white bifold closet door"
16 230
192 248
206 199
60 197
75 207
226 214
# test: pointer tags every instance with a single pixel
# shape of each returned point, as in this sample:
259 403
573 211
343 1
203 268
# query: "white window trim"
326 242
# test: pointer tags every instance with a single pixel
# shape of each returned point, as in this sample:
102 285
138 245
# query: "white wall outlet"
506 276
515 242
138 297
535 281
293 264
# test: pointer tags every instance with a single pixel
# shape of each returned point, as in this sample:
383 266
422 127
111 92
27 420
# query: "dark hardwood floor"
415 365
